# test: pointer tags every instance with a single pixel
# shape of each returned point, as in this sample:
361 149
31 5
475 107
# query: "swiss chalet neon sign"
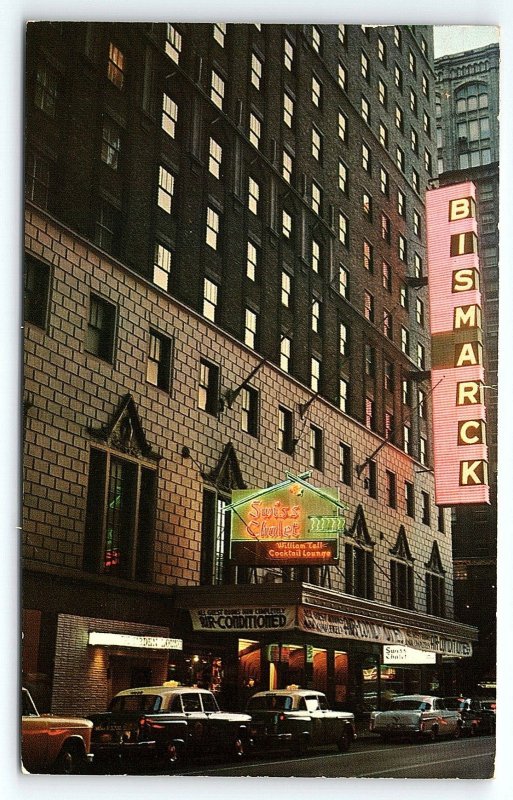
457 374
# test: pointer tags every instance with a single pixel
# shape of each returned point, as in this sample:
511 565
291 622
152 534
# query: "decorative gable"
359 530
227 473
402 550
435 562
124 431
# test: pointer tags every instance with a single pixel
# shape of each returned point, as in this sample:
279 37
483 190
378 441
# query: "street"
368 758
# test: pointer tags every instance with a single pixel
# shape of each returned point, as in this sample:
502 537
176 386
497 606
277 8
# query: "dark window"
391 489
359 565
215 540
426 508
208 395
158 368
36 290
441 520
435 594
371 482
37 179
401 580
315 447
409 498
111 143
249 410
46 89
120 517
345 463
100 328
285 430
106 233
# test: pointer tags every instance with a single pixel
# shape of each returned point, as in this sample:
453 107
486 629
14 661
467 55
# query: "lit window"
116 66
402 251
220 32
250 326
253 195
316 255
111 144
252 261
421 356
369 306
397 37
398 77
406 393
415 179
342 76
423 451
383 136
316 197
286 224
413 102
382 51
315 447
417 265
412 62
343 228
368 262
166 188
316 92
342 176
316 315
343 387
343 281
406 439
365 110
316 144
288 54
315 374
255 129
342 34
210 292
422 404
316 39
399 158
367 204
162 266
285 348
399 123
387 275
414 141
288 110
403 296
385 228
173 43
382 93
256 71
159 358
428 166
286 169
383 181
286 288
416 223
215 158
364 66
405 340
212 230
342 126
425 86
366 158
401 203
343 338
217 89
426 123
169 115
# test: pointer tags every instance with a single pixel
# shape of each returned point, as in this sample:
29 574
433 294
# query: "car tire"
173 756
238 750
457 731
344 742
432 735
71 760
300 747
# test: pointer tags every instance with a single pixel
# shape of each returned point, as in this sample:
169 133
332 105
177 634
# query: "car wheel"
300 747
344 743
473 730
173 755
70 761
432 735
457 731
238 749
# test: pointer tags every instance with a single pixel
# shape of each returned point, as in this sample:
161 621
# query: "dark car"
168 724
298 719
477 715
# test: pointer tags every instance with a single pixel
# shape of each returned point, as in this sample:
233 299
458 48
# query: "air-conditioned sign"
457 374
400 654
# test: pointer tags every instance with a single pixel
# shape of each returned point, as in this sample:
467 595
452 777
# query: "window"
401 203
343 228
406 393
365 66
385 228
36 291
397 37
366 158
422 406
116 66
365 110
255 130
399 158
419 311
382 93
288 54
414 141
401 580
412 63
428 164
435 594
342 76
342 34
426 123
250 328
37 179
165 190
344 463
409 499
416 223
421 356
173 43
387 275
402 248
210 293
367 204
343 281
158 367
288 109
316 315
426 508
359 563
383 135
371 481
253 195
316 144
415 180
388 370
391 489
315 447
370 413
107 226
316 255
315 374
217 89
425 86
441 520
383 181
111 144
285 430
285 351
249 410
169 115
46 90
382 51
212 229
316 197
215 544
399 121
403 296
342 177
316 39
342 126
286 224
343 339
215 158
119 517
208 389
343 394
370 361
389 426
100 328
256 71
368 256
423 450
316 92
413 102
286 289
405 340
398 77
220 32
406 439
369 306
252 261
388 324
161 266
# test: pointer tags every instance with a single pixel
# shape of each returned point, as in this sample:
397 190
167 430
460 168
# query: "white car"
416 716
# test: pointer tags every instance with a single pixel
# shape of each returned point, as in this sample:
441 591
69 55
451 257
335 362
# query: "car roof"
287 692
138 690
418 697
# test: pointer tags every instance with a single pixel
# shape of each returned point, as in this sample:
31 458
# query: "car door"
34 736
196 721
317 719
332 723
447 720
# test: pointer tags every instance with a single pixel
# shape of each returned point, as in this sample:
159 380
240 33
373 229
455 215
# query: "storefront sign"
400 654
234 620
125 640
287 524
347 627
457 374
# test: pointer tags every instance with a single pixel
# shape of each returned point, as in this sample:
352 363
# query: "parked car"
477 716
298 719
416 716
51 743
169 724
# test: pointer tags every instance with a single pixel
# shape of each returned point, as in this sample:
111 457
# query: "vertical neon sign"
457 374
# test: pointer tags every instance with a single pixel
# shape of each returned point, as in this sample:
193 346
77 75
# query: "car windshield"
410 705
141 702
454 703
271 702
